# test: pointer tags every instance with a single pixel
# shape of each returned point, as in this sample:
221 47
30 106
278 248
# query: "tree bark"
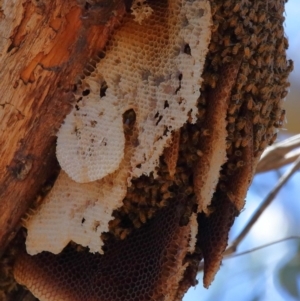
44 46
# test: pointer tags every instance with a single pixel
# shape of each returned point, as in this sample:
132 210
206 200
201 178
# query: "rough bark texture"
44 46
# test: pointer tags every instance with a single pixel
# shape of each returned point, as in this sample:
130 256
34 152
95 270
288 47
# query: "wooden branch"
280 154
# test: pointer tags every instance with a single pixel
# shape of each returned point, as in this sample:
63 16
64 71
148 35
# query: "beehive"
153 248
152 75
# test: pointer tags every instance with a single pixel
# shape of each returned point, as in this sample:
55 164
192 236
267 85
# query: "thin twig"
279 154
233 247
233 255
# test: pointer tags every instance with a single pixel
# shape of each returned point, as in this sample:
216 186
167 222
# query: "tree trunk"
44 47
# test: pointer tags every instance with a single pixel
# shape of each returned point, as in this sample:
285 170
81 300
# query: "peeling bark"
44 47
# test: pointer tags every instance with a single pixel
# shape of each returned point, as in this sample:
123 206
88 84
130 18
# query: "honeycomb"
153 76
96 148
157 76
82 210
145 266
178 206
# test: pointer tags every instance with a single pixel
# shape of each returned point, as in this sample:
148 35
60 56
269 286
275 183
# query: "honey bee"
201 113
236 48
239 29
245 141
247 52
213 47
241 122
168 195
252 61
238 140
189 190
228 145
284 94
232 166
205 132
199 153
211 79
105 236
231 128
195 137
266 91
237 7
125 233
127 205
239 85
282 117
231 196
246 21
233 21
259 61
245 68
184 177
244 11
114 223
24 220
263 145
252 14
230 137
242 78
150 213
268 60
262 16
226 42
214 8
165 187
273 139
225 25
264 109
232 109
215 26
137 223
256 118
279 33
227 59
163 203
231 119
118 231
256 145
142 216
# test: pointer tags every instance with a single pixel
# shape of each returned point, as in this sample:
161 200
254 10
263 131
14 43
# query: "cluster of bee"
147 195
253 31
